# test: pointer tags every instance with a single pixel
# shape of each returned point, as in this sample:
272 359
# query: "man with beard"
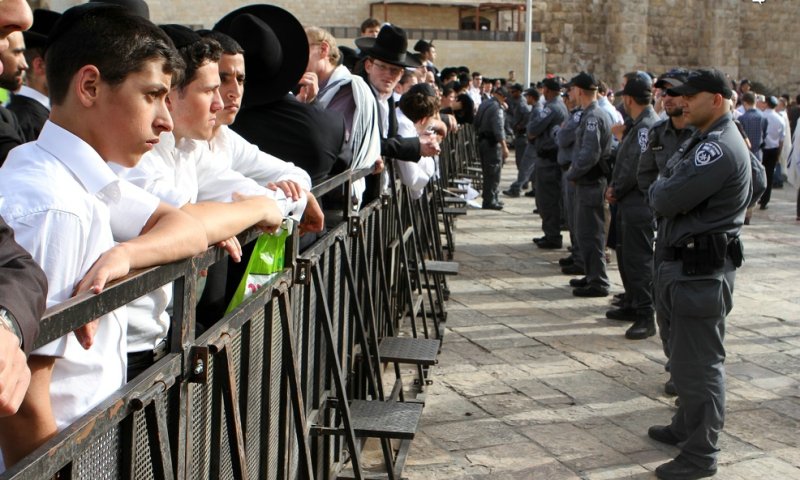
664 139
13 66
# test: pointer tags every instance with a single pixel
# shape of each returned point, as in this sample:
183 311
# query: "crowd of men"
159 151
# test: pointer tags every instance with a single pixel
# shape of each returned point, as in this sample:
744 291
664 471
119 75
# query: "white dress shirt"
189 172
244 157
775 129
67 207
414 175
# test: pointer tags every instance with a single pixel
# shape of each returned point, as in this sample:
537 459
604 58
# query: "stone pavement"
533 383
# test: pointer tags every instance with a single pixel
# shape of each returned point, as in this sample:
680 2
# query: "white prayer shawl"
365 139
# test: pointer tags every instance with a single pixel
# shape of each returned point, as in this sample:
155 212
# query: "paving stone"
473 384
496 337
445 405
471 434
759 469
573 447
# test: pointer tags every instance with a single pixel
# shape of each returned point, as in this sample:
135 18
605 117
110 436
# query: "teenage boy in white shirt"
183 172
109 74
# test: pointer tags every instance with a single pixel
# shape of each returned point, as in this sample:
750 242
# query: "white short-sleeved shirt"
67 207
187 172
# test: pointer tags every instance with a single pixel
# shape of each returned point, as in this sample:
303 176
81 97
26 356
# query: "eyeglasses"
392 69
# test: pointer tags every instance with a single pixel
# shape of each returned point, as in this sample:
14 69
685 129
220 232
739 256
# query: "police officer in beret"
588 171
489 123
702 197
635 224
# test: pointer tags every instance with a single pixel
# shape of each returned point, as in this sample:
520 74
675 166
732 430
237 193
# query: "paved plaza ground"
533 383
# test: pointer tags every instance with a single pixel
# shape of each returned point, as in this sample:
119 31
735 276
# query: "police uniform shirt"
489 120
518 111
592 143
706 185
66 229
565 138
663 140
543 127
633 145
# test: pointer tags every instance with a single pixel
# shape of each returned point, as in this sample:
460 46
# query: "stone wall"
609 38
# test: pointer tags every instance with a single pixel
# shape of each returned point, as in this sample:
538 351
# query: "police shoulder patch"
707 153
643 137
545 112
591 124
576 117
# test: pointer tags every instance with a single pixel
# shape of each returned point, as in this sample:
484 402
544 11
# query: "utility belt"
600 169
550 153
488 137
706 253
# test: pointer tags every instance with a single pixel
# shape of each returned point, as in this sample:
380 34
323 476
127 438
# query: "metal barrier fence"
270 390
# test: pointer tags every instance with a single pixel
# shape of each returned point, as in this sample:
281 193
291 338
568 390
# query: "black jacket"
31 116
10 133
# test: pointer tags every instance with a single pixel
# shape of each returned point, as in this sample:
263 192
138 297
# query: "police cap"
551 83
704 80
639 85
584 81
673 78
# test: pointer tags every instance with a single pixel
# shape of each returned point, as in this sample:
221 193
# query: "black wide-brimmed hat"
275 50
43 22
390 46
135 7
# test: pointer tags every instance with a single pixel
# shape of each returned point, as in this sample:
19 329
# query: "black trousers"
769 159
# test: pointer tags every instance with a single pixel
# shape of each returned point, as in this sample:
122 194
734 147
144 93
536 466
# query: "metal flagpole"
528 35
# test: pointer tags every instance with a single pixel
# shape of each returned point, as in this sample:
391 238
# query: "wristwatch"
8 322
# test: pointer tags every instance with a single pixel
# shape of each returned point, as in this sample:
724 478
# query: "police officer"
573 263
527 160
635 224
588 171
517 119
702 198
664 139
548 174
492 145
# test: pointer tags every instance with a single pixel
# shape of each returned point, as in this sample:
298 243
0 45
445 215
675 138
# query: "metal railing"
244 399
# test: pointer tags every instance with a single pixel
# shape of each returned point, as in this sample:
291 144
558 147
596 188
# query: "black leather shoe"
669 388
492 206
572 270
530 193
511 193
642 328
549 244
578 282
535 210
682 469
566 261
619 303
590 291
763 207
663 434
622 314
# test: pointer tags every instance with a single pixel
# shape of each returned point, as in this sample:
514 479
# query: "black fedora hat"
275 50
43 22
389 46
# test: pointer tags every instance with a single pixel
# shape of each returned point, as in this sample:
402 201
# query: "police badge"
643 136
707 153
591 124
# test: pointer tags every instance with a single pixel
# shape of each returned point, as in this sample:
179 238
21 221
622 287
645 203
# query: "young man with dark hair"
110 74
370 27
184 172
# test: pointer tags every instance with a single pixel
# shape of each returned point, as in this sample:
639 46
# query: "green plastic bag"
265 263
